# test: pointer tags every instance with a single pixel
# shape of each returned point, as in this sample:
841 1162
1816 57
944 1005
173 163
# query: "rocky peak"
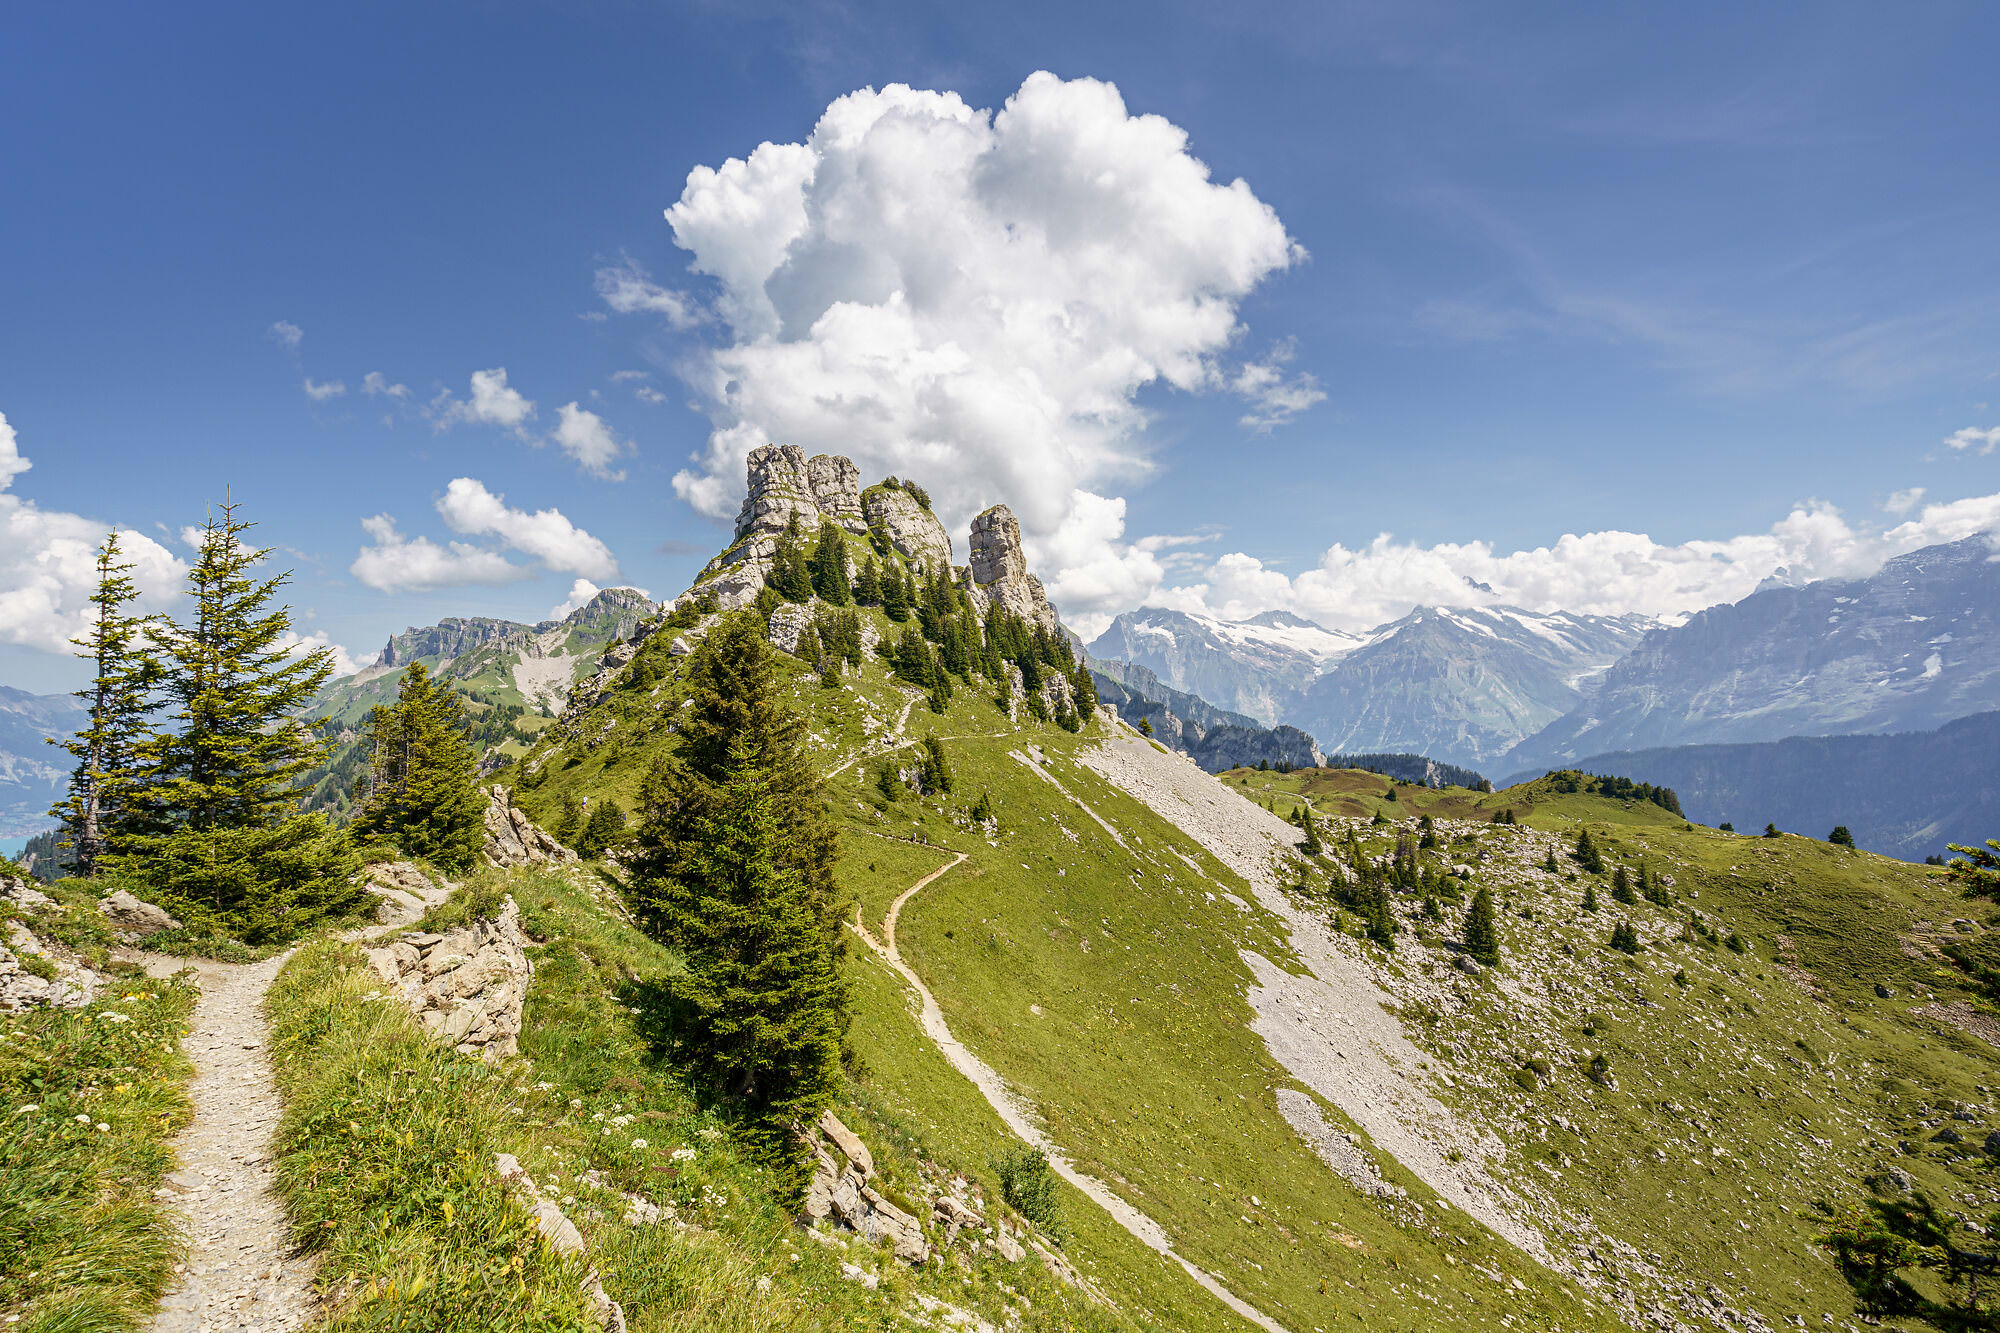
912 529
836 490
779 488
450 637
1000 568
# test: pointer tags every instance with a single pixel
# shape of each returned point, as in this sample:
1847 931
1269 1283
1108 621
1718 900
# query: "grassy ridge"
387 1147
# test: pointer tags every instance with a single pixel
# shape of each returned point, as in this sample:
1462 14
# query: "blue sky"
1681 282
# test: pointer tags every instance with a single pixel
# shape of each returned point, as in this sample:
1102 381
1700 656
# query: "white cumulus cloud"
376 385
492 402
1974 440
580 593
48 566
396 563
1604 573
976 299
545 535
629 289
320 392
298 645
585 437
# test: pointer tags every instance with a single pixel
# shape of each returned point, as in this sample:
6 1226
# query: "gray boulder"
133 918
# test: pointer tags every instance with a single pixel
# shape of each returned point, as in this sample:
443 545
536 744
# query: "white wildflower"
683 1154
103 1128
638 1143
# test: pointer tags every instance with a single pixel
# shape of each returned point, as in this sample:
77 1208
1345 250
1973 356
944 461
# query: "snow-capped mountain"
1460 684
1257 666
33 773
1909 648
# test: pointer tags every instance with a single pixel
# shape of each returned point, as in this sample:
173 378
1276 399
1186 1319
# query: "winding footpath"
1016 1117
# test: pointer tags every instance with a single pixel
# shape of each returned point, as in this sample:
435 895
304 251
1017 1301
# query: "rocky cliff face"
836 490
1913 646
999 568
913 530
454 636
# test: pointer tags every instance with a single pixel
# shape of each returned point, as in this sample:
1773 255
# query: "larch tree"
121 699
733 867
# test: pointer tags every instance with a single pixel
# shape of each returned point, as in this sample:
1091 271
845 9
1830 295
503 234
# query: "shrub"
1029 1187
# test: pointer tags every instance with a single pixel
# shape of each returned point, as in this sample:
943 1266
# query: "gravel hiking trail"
241 1271
1017 1118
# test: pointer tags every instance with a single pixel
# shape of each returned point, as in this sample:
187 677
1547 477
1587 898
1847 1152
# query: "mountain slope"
1461 684
1907 794
1212 737
1910 647
33 773
1342 1135
1256 667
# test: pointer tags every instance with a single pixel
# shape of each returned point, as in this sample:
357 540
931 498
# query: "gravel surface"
1328 1028
240 1271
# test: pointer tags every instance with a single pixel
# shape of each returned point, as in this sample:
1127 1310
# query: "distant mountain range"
33 773
1462 685
1911 647
1216 739
1907 794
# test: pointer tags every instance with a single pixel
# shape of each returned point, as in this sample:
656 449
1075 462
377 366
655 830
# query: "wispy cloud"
286 334
320 392
629 289
1974 441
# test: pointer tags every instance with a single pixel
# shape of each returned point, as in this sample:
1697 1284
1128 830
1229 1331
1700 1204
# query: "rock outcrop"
402 891
836 490
840 1192
913 531
468 986
32 974
133 918
1000 569
513 839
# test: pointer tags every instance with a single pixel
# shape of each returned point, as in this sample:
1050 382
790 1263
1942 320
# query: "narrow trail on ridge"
1018 1119
242 1270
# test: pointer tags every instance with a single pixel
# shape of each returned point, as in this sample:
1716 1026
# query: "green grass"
84 1245
383 1128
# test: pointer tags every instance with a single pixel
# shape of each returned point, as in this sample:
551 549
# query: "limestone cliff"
912 530
1000 569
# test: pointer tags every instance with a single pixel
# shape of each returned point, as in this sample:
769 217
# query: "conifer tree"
1587 854
937 766
829 567
734 868
1840 837
868 584
1624 938
1978 869
895 593
1482 929
216 828
423 794
1590 895
1621 886
602 830
120 700
1549 862
569 821
790 576
1310 844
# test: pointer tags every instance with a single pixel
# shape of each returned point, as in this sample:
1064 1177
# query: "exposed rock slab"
468 987
842 1167
134 918
513 839
1000 568
912 530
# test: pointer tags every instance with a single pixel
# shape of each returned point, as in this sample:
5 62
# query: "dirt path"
240 1272
1018 1119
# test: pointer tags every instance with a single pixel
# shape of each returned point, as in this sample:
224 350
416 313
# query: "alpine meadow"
1335 670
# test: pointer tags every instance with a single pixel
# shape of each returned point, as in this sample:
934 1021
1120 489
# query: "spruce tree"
120 700
734 869
868 584
937 766
602 830
423 782
1482 929
1587 854
1625 938
1590 895
1840 837
216 829
790 577
1310 844
1549 862
895 593
1978 869
829 567
1621 886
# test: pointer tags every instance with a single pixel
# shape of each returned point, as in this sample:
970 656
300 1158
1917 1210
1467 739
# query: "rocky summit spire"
1000 568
